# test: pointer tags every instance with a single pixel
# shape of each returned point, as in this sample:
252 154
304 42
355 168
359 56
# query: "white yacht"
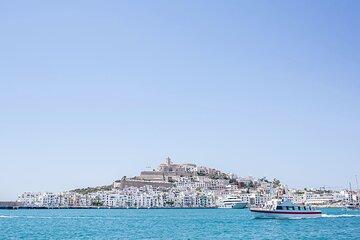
283 208
232 202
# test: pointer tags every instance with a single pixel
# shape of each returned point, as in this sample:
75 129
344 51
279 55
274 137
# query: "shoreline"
56 208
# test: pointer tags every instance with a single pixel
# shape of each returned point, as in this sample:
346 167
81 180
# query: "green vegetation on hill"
92 189
214 176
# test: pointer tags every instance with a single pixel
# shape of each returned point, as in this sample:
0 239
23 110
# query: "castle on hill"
167 174
173 172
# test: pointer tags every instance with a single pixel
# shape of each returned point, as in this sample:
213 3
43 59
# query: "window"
299 208
309 208
304 208
287 208
279 208
293 208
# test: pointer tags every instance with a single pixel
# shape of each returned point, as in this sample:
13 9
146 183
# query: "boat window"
287 208
304 208
309 208
293 208
279 208
299 208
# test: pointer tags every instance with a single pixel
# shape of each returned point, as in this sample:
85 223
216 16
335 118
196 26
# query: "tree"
170 202
97 202
276 182
263 179
251 184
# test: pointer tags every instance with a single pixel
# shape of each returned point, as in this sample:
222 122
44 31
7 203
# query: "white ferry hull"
265 214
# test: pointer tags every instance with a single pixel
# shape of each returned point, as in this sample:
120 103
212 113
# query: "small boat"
285 209
232 202
353 206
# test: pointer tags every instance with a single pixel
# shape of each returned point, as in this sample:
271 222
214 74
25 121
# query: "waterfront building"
180 185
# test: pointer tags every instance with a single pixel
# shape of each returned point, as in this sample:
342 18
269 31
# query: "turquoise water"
172 224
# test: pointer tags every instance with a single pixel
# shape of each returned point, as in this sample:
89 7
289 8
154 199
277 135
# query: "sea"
172 224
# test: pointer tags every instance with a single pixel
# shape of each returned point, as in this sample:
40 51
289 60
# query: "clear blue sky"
95 90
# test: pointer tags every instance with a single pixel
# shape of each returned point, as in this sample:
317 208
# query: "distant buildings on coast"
184 186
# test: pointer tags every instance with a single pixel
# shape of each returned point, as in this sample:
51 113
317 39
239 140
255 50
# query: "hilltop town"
185 185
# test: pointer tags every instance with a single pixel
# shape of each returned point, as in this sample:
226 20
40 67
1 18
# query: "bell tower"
168 161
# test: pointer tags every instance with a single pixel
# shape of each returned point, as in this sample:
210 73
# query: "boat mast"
350 193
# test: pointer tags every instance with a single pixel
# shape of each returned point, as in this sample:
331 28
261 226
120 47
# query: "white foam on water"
10 216
339 216
2 216
296 218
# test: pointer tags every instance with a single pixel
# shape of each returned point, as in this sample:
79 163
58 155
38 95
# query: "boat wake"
58 217
4 216
339 216
296 218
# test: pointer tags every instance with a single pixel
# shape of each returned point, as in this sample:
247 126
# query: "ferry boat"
232 202
283 208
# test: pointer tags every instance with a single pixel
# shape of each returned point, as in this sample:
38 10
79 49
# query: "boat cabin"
287 205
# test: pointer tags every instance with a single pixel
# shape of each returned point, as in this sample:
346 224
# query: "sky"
91 91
